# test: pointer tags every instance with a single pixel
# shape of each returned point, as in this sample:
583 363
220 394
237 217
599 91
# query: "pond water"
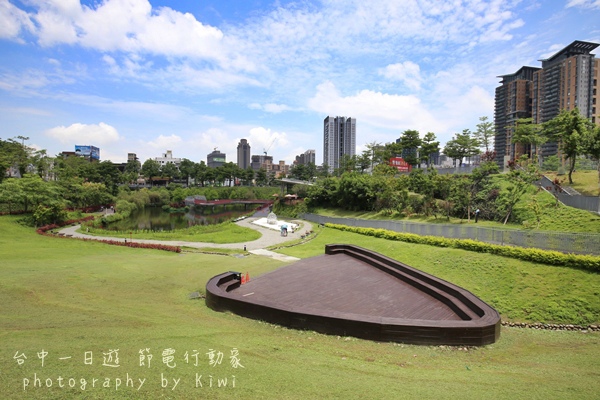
155 219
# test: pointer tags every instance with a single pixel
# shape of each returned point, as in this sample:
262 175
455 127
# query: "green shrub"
586 262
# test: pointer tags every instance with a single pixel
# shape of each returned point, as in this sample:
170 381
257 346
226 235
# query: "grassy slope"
585 182
553 217
69 297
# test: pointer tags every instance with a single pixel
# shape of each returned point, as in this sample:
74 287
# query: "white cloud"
13 21
264 139
593 4
129 26
95 135
407 72
374 108
27 111
270 107
163 142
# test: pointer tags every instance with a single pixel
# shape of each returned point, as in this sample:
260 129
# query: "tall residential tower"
566 80
339 139
243 154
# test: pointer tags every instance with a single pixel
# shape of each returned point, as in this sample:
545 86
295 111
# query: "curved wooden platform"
352 291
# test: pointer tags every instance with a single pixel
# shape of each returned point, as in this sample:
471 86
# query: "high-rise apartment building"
513 101
306 158
339 139
243 154
215 159
566 80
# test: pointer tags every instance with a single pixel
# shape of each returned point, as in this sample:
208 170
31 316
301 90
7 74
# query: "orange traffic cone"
247 277
243 279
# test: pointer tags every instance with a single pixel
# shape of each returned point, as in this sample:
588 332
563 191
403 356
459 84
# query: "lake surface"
155 219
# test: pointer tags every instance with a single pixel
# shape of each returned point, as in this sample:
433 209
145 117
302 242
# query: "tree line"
574 134
428 193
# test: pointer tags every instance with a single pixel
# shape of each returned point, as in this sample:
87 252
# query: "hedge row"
44 231
585 262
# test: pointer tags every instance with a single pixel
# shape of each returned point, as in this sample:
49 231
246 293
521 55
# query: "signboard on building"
400 164
88 152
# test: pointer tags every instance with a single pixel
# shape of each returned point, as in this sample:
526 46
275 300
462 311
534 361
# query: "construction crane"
267 149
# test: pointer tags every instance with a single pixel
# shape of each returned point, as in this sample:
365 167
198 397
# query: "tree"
200 173
42 164
261 177
169 170
374 153
94 194
11 194
461 146
528 133
13 154
108 174
571 131
229 172
150 168
390 150
484 133
133 166
384 169
429 146
364 161
592 148
324 170
347 164
35 191
52 212
249 176
187 168
410 142
520 180
298 171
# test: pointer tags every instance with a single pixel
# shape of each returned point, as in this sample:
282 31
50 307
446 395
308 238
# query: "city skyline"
146 77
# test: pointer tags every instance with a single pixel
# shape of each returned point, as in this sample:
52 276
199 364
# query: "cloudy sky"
190 76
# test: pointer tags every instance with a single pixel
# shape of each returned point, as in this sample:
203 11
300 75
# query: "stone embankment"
553 327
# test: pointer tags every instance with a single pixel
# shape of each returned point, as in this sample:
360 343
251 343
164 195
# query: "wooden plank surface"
340 283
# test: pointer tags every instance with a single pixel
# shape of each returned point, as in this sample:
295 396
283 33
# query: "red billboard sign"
400 164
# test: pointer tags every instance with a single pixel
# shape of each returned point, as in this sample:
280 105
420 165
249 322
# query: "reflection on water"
156 219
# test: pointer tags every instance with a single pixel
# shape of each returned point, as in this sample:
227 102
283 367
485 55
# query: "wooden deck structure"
352 291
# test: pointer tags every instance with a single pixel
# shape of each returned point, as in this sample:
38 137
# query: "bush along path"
585 262
48 230
269 237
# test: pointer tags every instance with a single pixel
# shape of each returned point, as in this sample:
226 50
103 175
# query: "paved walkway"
268 237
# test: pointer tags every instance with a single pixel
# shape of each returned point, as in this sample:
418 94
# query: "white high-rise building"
339 138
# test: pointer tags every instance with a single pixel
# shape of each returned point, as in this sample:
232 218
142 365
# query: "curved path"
268 237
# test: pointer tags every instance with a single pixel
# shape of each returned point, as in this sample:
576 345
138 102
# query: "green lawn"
585 182
68 298
220 233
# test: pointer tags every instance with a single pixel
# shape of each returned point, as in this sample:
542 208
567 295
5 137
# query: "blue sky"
190 76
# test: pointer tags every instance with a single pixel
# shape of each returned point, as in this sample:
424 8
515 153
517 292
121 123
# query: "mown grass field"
68 297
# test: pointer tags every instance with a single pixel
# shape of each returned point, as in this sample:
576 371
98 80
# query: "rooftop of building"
575 48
